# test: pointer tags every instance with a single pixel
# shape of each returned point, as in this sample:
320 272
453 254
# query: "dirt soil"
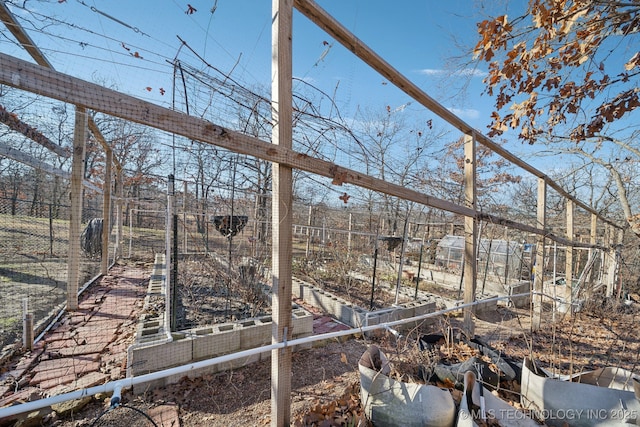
325 380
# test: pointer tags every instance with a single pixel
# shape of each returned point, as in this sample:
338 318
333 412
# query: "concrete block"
359 318
241 362
520 288
300 289
346 314
152 358
254 333
372 319
215 341
302 323
425 307
487 306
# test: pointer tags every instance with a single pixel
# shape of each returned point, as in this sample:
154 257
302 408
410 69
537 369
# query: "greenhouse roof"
486 245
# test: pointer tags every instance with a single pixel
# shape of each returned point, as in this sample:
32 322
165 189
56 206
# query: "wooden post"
119 213
568 266
610 260
75 216
615 244
27 326
538 278
184 217
592 240
309 232
616 260
281 110
106 212
349 234
470 232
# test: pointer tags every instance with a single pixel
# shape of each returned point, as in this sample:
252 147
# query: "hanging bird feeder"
392 241
229 225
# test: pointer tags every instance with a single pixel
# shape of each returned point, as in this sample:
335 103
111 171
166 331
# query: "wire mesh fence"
34 254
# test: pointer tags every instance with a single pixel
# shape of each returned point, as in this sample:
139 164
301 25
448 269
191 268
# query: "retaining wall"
156 348
520 288
355 316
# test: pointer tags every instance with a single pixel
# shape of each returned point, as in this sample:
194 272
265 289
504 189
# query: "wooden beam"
27 76
568 266
282 202
470 232
23 38
103 142
618 256
322 19
14 123
593 235
119 189
75 215
24 75
16 29
538 278
106 213
22 157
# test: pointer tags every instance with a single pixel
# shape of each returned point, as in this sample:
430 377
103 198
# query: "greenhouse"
496 257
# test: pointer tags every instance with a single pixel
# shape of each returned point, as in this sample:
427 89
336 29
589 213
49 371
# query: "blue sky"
416 37
128 44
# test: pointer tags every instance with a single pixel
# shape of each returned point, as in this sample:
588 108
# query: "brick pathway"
322 322
86 347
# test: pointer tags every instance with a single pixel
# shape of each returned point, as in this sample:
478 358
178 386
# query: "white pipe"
117 394
382 311
395 333
185 369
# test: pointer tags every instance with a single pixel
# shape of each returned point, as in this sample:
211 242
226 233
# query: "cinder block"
407 309
302 323
239 363
316 297
359 318
215 341
253 333
520 288
425 307
299 289
373 319
345 314
487 306
152 358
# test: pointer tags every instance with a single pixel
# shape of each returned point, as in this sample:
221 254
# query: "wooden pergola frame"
43 80
77 172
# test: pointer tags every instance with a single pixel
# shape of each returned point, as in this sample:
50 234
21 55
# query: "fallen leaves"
346 410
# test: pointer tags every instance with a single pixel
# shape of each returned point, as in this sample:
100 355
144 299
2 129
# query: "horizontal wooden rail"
50 83
325 21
